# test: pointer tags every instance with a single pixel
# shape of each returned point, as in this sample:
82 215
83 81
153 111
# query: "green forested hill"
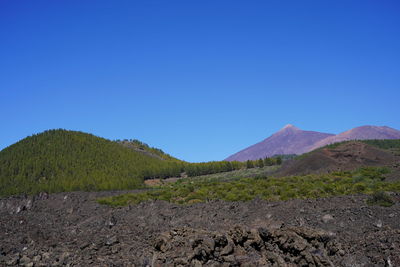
61 160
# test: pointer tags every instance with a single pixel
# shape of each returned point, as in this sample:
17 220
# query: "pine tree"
260 163
249 164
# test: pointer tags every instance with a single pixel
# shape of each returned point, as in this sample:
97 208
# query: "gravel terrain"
72 229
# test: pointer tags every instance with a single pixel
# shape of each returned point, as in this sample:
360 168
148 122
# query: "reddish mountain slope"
289 140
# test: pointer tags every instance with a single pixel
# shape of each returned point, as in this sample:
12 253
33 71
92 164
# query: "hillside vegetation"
188 191
144 148
61 160
387 144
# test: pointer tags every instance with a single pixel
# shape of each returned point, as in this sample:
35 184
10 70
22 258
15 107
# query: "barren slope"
289 140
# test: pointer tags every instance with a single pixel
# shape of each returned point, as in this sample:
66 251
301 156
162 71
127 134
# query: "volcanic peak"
290 127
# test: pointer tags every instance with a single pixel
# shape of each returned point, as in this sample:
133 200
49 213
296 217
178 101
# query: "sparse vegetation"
140 146
257 173
212 167
386 144
383 144
380 198
188 191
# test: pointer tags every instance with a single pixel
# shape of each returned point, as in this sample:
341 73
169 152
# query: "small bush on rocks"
380 198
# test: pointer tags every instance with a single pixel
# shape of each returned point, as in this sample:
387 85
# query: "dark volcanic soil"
71 229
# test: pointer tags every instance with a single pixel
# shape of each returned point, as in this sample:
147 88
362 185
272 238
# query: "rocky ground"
72 229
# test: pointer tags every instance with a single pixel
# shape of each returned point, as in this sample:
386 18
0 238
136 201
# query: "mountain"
367 132
289 140
61 160
292 140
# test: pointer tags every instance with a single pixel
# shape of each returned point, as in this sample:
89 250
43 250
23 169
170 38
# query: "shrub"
311 186
380 198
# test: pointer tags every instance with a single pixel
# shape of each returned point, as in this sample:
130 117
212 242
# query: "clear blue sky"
198 79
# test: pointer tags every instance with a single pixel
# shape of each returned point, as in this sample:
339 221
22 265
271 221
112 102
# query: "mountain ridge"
293 140
296 140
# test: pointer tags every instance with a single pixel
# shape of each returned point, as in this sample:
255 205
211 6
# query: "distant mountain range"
292 140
